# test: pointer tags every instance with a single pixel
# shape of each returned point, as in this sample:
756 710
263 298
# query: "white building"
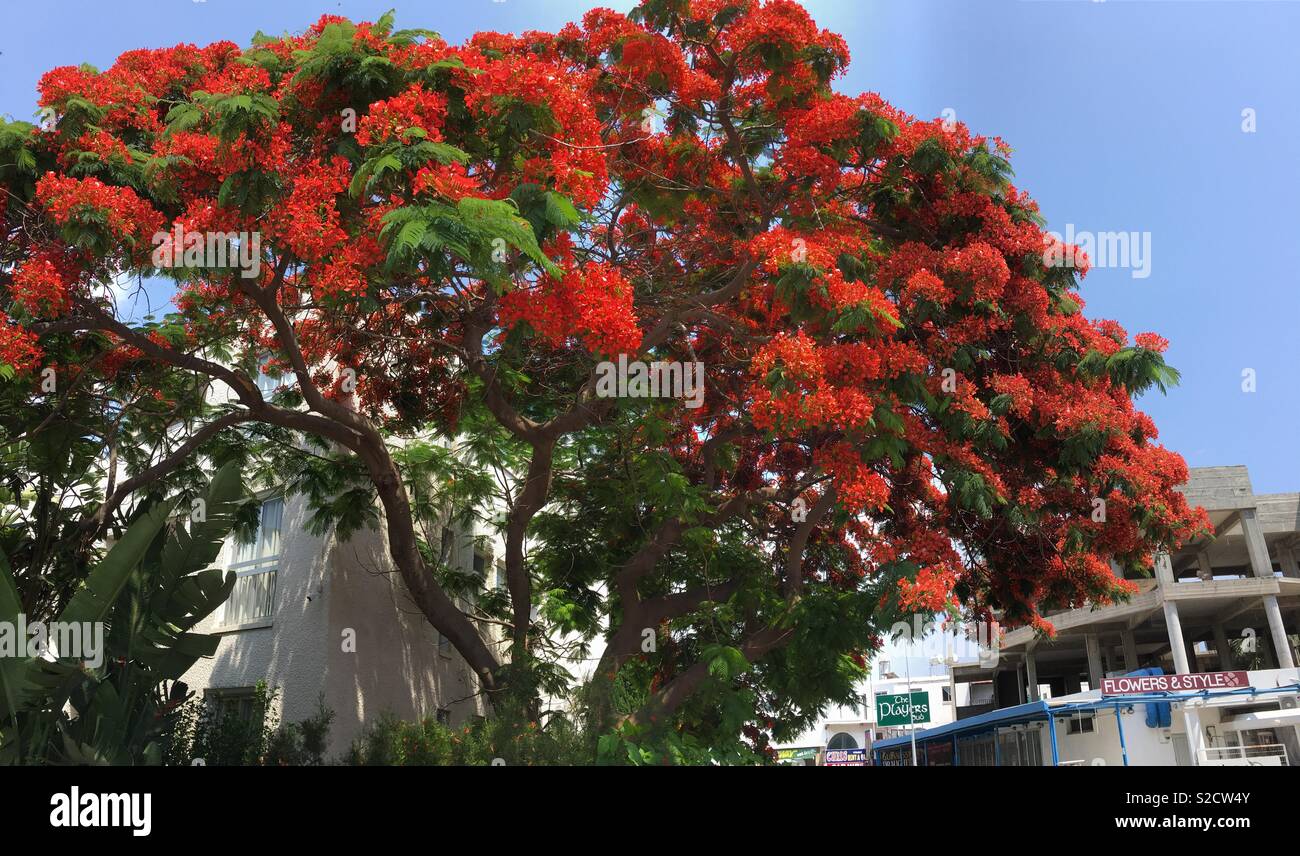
311 616
857 726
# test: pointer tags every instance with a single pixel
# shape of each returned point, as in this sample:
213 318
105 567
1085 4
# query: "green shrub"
390 741
300 744
147 595
228 739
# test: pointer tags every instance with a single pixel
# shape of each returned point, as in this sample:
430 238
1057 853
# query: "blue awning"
1064 707
1007 715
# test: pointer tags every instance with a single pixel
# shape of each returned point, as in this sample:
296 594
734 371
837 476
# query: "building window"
255 564
842 740
1017 747
977 751
444 645
265 542
267 384
240 704
947 693
500 584
1080 725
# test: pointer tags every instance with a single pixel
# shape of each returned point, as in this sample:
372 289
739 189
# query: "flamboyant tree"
905 409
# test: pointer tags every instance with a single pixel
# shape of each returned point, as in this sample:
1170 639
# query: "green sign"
893 709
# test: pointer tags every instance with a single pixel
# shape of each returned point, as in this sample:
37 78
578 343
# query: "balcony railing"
252 599
1267 755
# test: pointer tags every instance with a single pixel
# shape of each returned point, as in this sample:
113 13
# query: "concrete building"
1242 583
1229 601
313 616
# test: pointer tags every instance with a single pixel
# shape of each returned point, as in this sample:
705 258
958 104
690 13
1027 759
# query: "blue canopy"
1006 715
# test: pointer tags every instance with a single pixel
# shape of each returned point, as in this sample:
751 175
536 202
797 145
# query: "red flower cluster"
308 220
40 287
930 591
1152 342
858 486
18 347
651 59
571 157
392 118
451 181
592 303
84 200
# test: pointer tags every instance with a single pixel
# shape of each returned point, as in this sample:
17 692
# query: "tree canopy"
905 409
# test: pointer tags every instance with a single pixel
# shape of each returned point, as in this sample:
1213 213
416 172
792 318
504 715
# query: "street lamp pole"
911 721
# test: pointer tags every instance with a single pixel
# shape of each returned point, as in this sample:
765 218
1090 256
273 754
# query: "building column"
1176 647
1174 626
1031 673
1130 650
1164 570
1286 558
1263 568
1095 673
1281 642
1203 568
1222 647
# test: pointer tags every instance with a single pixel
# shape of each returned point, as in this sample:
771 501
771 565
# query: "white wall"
324 587
291 653
941 712
840 718
1147 747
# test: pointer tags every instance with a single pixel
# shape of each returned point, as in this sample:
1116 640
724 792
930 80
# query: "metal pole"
1051 728
911 725
1119 722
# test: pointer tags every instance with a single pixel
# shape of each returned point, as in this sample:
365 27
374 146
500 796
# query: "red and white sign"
1140 684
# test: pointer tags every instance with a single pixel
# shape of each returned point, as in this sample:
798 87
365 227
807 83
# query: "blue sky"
1124 116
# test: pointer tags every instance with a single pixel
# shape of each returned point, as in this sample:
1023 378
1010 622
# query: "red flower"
40 287
392 118
127 216
1152 342
18 347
